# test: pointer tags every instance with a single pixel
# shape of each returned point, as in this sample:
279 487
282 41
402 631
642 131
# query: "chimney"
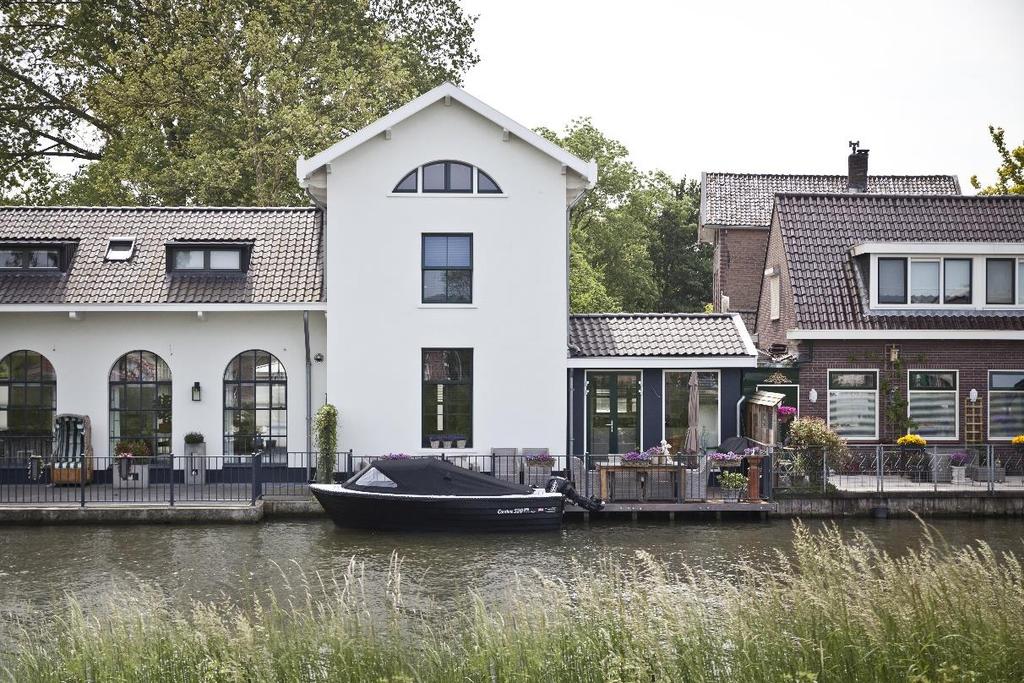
857 175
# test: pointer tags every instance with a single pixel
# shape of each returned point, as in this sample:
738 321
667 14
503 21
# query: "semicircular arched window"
451 177
140 401
256 406
28 400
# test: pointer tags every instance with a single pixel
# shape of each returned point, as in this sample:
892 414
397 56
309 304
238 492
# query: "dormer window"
447 177
24 257
208 258
941 275
120 249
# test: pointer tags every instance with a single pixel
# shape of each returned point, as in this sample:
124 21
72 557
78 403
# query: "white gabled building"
425 295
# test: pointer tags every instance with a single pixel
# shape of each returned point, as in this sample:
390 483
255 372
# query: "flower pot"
731 495
461 443
959 474
435 444
446 444
137 476
195 463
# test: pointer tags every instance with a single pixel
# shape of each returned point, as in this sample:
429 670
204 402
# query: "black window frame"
46 378
479 173
415 173
448 177
65 251
906 281
475 173
239 443
160 441
424 268
1013 281
970 282
244 257
424 384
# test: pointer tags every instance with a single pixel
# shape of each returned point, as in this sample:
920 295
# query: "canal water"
37 564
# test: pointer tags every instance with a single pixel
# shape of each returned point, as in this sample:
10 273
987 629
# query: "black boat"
434 495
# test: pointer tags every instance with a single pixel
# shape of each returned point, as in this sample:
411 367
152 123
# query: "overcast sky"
766 86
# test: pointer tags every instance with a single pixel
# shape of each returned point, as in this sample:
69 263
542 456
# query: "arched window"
453 177
28 398
140 401
256 405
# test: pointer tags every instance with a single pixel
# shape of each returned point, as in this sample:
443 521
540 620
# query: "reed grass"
829 609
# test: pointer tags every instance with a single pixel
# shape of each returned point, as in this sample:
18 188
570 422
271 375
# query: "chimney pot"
857 173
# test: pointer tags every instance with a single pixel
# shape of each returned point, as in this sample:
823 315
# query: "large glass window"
999 280
256 405
1005 404
28 395
447 176
448 397
932 403
31 258
447 269
677 408
957 275
853 403
892 280
140 401
224 259
924 282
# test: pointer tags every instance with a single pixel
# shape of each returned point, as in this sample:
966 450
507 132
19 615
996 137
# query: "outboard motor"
565 487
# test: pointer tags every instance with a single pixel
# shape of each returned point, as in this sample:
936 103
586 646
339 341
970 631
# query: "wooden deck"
697 508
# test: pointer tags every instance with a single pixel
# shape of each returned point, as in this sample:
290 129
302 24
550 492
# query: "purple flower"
395 456
634 456
538 458
786 411
725 457
960 458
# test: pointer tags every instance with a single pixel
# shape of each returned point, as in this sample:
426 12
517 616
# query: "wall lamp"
974 395
197 392
812 396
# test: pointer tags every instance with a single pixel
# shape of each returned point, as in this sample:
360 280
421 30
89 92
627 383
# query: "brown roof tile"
286 264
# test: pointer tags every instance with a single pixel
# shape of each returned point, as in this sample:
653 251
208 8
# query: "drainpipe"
309 397
572 417
739 405
568 312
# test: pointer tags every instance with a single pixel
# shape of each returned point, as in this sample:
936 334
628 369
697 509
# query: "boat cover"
430 477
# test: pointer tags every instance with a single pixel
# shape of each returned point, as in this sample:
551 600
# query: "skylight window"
120 248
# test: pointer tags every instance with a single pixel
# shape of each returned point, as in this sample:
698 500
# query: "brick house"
736 211
888 313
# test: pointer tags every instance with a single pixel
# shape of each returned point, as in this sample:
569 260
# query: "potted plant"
731 484
958 464
446 440
195 456
460 440
435 441
912 443
395 456
636 458
786 413
542 460
132 461
723 460
1018 443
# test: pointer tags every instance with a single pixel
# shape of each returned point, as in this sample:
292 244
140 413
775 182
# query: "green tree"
1010 173
633 235
204 102
682 267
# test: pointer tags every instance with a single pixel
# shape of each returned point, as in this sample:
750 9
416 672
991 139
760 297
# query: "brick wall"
739 263
972 358
774 331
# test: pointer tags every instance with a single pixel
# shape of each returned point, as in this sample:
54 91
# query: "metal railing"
892 468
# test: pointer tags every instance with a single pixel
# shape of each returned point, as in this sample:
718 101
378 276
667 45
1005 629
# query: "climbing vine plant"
325 433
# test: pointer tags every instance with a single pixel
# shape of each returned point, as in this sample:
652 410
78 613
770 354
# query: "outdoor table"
607 488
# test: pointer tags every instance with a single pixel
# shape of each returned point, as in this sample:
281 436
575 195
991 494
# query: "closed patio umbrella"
692 443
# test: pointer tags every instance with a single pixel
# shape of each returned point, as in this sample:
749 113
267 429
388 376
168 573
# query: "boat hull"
510 513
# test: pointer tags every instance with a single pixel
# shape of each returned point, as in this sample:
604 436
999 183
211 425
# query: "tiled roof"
745 199
286 264
829 292
656 334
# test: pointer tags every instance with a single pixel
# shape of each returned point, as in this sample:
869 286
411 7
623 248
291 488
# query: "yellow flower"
1018 440
911 440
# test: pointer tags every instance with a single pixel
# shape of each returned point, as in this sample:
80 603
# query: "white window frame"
956 402
664 397
979 284
828 399
774 297
988 401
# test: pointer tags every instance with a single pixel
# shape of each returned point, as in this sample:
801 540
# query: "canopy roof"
426 476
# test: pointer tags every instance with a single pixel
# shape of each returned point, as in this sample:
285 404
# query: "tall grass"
831 609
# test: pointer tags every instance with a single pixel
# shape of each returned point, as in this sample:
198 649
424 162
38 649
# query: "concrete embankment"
903 504
132 514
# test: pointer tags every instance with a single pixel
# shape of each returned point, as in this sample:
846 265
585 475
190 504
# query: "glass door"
613 412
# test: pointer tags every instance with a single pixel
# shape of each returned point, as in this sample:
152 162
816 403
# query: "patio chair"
72 450
506 464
